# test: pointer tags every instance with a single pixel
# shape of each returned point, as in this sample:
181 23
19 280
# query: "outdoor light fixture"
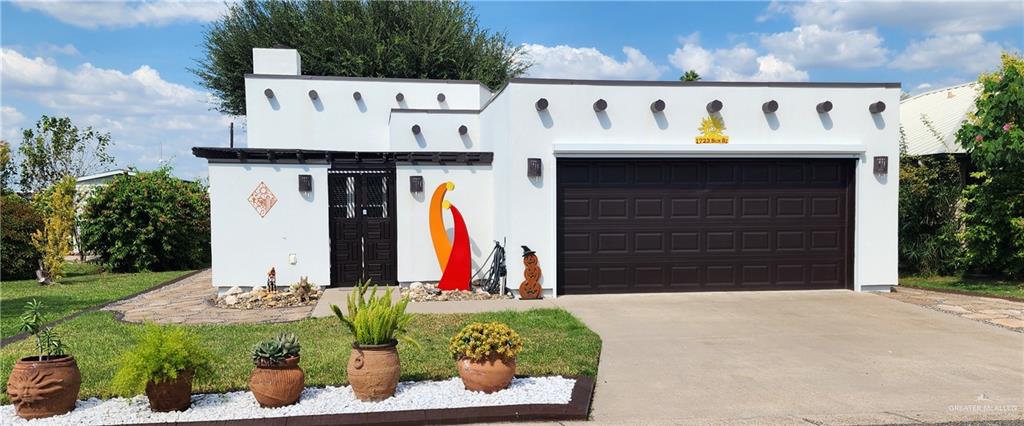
440 97
268 93
314 95
542 104
658 106
823 107
416 184
415 129
357 96
463 129
881 166
770 107
399 97
600 105
533 167
305 183
714 106
876 107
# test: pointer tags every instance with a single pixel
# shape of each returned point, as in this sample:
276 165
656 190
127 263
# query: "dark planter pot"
487 375
278 385
373 371
172 395
44 388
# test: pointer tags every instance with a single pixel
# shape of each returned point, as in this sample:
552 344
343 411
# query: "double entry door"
362 226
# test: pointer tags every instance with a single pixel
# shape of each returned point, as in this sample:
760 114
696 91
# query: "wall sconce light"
313 95
823 107
357 96
600 105
463 129
305 183
657 106
440 97
876 107
416 184
415 129
542 104
268 93
770 107
399 97
533 167
714 106
881 166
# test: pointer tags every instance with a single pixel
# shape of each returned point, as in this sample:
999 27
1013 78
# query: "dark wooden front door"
704 225
362 226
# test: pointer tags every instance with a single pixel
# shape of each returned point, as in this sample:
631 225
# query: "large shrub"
995 204
18 221
150 221
930 216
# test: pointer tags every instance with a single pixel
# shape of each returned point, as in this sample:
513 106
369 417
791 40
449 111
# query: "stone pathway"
999 312
185 302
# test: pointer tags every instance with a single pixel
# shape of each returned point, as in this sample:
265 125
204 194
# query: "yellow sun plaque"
711 129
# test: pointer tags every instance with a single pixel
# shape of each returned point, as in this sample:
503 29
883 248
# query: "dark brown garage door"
628 226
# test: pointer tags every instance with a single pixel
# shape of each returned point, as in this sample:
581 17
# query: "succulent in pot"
485 354
46 384
377 324
277 380
163 363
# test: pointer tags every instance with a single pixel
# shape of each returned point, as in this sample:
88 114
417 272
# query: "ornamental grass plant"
375 320
160 355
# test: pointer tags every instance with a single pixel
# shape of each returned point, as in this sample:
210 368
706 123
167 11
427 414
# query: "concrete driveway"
809 357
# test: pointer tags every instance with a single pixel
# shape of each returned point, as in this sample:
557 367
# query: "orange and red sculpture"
452 256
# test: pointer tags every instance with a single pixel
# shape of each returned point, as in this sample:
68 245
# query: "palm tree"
690 75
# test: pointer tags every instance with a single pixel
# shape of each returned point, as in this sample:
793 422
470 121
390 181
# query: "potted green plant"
46 384
277 379
163 363
485 354
377 324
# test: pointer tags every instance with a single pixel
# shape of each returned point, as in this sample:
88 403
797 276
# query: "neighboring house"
619 186
930 120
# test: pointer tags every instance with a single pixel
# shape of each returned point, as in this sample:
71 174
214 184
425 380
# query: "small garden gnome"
272 281
530 288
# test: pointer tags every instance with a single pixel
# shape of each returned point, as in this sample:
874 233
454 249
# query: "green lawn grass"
979 286
83 287
555 343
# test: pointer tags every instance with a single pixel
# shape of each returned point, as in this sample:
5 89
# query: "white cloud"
10 119
812 46
53 49
145 114
923 86
937 17
968 52
588 63
737 63
121 14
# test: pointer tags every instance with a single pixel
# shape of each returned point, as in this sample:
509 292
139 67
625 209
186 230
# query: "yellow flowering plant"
478 341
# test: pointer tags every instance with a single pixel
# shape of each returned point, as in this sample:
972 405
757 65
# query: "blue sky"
123 67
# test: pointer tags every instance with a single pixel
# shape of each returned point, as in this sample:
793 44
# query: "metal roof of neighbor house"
84 179
930 120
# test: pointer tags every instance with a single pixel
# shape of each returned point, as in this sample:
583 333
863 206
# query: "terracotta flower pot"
278 385
44 388
373 371
487 375
172 395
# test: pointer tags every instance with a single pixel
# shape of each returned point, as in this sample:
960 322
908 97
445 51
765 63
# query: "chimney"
276 61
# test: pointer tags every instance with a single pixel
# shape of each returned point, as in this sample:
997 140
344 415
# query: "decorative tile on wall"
262 199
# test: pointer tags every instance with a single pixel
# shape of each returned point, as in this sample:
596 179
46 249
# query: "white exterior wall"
245 246
473 196
571 128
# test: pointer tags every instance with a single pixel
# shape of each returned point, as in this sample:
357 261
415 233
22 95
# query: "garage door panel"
696 225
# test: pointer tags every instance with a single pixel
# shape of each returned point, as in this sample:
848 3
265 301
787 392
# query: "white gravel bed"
330 400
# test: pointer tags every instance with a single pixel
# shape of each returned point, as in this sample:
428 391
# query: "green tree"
930 217
690 75
56 148
6 168
995 141
410 39
150 221
53 240
18 221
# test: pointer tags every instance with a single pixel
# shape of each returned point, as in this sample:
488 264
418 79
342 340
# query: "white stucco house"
619 186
